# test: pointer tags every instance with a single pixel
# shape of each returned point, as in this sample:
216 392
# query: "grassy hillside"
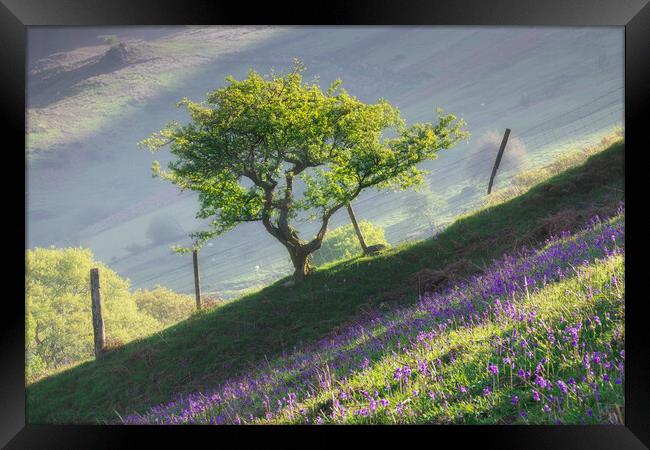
226 342
537 338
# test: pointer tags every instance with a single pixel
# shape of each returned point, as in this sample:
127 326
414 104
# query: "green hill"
222 343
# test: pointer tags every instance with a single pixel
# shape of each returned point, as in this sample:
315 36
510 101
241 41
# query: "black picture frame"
634 15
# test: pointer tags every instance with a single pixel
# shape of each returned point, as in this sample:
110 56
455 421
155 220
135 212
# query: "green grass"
215 345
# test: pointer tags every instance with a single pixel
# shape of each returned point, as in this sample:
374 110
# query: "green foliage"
58 311
342 242
251 140
164 305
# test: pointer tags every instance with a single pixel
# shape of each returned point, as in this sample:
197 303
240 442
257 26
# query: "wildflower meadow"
536 338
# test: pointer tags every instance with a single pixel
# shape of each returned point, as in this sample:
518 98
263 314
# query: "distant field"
153 68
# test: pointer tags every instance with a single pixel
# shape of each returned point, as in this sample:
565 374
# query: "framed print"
363 219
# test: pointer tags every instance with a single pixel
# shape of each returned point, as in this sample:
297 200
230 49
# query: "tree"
252 140
164 305
59 327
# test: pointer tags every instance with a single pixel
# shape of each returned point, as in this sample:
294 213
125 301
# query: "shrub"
110 39
481 157
342 242
164 305
526 179
134 248
162 230
424 208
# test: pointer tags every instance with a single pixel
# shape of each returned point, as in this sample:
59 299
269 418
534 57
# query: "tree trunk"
302 265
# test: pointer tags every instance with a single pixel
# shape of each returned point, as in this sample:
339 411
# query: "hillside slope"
220 344
537 338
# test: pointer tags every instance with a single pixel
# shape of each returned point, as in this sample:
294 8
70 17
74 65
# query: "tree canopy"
58 321
59 328
249 141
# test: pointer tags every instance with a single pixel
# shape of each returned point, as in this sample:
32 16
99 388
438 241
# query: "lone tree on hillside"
251 140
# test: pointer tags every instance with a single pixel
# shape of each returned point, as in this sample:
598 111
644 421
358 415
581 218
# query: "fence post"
197 281
98 321
353 218
504 141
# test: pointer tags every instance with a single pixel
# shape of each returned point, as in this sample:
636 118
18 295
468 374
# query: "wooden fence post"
197 281
98 321
504 141
353 218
